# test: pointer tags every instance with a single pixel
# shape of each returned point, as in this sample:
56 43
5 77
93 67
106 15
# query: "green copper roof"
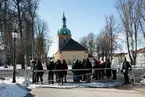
64 30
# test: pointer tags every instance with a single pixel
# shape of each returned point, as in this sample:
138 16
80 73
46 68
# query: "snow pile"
101 84
8 89
142 81
59 86
69 66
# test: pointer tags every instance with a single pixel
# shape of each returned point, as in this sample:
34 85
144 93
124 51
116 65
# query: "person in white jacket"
114 68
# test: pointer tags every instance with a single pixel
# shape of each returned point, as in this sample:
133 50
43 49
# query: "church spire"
64 20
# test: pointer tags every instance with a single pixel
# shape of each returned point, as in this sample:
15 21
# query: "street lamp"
14 36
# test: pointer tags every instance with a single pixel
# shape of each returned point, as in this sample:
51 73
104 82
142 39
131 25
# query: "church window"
64 40
64 32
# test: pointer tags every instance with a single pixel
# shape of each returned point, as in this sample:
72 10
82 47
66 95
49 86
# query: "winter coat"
51 66
76 65
88 65
65 67
33 66
58 66
108 70
114 65
96 65
125 67
39 67
81 66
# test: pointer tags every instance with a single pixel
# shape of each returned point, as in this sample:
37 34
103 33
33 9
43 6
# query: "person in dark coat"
59 74
65 67
39 74
108 70
76 76
125 70
88 65
56 73
50 67
33 67
95 75
83 72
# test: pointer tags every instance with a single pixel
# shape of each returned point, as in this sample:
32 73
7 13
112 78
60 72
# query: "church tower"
64 34
68 48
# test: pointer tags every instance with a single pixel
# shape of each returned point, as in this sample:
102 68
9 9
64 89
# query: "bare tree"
32 6
106 42
6 25
130 12
112 29
88 42
43 40
83 41
91 43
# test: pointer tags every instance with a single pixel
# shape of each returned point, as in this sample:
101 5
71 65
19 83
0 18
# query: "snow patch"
9 89
18 66
102 84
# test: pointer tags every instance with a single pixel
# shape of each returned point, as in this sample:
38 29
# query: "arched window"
64 40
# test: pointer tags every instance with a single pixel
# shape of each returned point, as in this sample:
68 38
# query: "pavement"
123 91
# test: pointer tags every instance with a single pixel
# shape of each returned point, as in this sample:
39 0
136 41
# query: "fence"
28 73
137 74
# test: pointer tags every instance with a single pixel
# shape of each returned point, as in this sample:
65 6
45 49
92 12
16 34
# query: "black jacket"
125 67
51 66
39 67
88 65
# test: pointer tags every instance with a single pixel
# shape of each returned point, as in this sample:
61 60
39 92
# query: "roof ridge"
74 46
64 44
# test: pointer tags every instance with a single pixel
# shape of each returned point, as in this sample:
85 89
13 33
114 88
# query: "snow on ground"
9 89
69 66
99 84
143 81
18 66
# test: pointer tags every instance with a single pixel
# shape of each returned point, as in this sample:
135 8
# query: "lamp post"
14 36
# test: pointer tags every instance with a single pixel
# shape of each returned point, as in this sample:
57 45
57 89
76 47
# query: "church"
68 48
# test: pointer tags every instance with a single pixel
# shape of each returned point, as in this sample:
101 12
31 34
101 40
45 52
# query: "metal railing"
72 70
27 73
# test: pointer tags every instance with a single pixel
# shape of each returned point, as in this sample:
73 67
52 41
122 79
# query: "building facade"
68 48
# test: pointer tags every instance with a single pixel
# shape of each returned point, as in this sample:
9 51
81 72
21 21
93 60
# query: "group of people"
38 71
97 70
37 66
58 66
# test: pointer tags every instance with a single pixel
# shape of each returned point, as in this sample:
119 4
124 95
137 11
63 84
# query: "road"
8 73
89 92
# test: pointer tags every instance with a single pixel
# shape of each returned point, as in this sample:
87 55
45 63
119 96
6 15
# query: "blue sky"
83 16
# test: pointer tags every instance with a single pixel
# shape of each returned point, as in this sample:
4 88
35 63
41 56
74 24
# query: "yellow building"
68 48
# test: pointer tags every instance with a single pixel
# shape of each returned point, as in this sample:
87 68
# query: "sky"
83 17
